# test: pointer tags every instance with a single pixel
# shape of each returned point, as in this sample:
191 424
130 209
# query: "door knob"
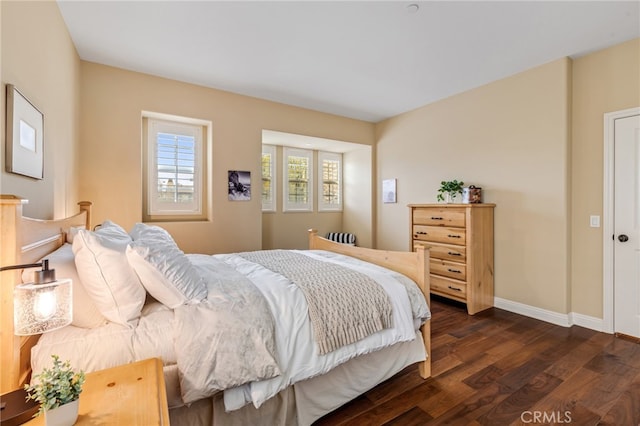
623 238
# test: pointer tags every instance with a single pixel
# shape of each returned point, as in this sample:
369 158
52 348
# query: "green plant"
451 187
55 387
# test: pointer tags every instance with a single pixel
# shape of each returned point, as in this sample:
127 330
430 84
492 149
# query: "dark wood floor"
499 368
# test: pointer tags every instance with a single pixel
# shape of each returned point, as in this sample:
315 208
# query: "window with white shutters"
298 179
268 178
330 181
175 169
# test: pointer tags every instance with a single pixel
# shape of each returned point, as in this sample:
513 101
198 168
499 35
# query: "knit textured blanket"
344 305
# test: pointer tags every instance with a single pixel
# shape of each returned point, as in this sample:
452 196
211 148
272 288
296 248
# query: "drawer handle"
436 218
455 271
453 236
450 253
421 233
456 289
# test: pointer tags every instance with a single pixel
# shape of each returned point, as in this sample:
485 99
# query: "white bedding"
298 358
110 345
113 344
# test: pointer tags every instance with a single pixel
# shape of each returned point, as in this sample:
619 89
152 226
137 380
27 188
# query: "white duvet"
296 354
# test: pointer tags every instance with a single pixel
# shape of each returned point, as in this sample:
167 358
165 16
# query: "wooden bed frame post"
425 286
10 217
414 265
85 206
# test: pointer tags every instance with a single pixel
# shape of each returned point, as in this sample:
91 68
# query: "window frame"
288 206
200 130
322 205
270 205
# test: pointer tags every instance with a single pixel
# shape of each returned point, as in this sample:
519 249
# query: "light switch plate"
594 221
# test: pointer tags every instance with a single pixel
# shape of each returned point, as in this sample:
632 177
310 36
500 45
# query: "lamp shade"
38 308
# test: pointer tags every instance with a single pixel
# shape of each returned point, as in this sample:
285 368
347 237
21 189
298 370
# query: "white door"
626 235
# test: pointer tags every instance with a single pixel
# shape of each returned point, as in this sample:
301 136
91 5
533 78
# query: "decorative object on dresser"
448 190
460 239
471 195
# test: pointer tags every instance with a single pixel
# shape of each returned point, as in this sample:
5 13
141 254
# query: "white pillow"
72 231
163 268
106 274
85 312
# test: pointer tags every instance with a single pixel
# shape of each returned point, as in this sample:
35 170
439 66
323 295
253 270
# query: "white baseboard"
586 321
564 320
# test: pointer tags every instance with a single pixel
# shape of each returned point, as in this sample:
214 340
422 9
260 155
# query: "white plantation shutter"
330 181
175 168
298 180
268 178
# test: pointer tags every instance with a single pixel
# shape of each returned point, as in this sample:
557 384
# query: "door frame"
608 216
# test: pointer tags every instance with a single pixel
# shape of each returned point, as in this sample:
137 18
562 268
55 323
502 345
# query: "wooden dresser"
460 239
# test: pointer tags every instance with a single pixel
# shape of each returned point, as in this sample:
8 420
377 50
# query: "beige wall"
534 142
358 193
511 138
39 58
605 81
112 101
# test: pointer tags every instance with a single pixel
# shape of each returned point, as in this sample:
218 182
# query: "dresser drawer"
440 217
448 269
444 251
448 287
438 234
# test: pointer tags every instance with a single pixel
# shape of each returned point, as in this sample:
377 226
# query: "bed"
278 381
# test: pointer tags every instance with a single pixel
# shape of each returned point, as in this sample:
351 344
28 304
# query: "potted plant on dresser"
449 190
58 391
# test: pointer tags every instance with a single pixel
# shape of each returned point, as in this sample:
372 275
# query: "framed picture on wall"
25 136
389 191
239 185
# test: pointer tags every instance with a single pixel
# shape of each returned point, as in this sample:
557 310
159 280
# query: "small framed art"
239 185
25 136
389 191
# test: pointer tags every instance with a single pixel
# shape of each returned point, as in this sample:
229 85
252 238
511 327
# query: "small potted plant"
449 189
58 391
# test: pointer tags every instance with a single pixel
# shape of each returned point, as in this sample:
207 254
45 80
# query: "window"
174 174
298 180
330 181
268 178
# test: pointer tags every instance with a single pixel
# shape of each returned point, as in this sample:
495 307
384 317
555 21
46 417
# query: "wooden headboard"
24 240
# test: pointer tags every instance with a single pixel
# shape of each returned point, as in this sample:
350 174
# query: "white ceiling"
363 59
